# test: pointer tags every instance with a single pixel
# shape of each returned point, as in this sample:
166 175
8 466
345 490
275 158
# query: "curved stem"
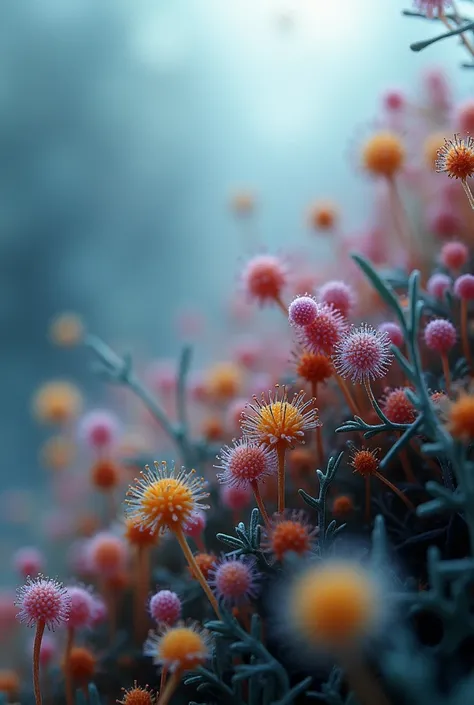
446 372
67 667
260 503
196 571
395 490
281 451
468 193
170 687
36 660
347 396
281 306
464 334
319 434
164 673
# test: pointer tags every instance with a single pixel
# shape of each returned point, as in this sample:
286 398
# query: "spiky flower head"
314 368
339 295
180 648
43 600
302 311
136 535
82 610
137 695
164 498
430 8
365 461
288 532
440 335
363 354
438 284
245 462
454 255
393 331
165 607
276 420
456 158
333 606
324 333
234 580
264 278
397 407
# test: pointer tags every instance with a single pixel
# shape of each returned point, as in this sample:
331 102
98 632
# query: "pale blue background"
124 126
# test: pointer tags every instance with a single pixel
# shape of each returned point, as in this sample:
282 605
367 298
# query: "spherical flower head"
205 562
245 462
106 554
276 420
430 8
162 377
301 462
333 606
9 683
323 216
137 696
164 498
342 506
28 561
165 607
397 407
464 116
235 498
179 648
442 220
289 532
81 664
394 100
364 354
57 402
365 461
313 367
440 335
460 418
302 311
383 154
99 429
212 429
66 330
234 580
339 295
264 278
438 284
82 607
223 381
464 287
105 474
57 453
324 333
394 333
43 600
454 255
195 525
456 158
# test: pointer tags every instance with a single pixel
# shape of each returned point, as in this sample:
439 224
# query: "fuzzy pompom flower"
430 8
302 311
165 607
180 648
43 600
264 279
164 498
137 695
339 295
276 420
363 354
234 580
456 159
245 463
324 333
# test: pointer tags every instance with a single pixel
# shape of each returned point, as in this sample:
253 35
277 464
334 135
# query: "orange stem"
281 451
395 490
446 372
319 434
67 666
464 335
164 673
36 660
171 686
196 571
347 396
260 503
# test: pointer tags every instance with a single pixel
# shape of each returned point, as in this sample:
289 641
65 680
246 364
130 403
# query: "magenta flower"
363 354
246 462
165 607
234 580
324 333
82 607
43 600
430 8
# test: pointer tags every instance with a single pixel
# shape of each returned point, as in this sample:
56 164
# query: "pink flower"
394 333
363 354
195 525
245 463
438 284
234 580
454 255
165 607
432 7
302 311
28 561
43 600
464 287
324 333
264 278
339 295
440 335
82 607
99 429
235 498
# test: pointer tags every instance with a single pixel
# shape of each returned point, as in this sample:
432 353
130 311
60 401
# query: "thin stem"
281 451
164 673
370 394
36 660
362 682
446 372
260 503
347 395
196 571
459 21
405 239
464 334
319 433
170 687
395 490
281 306
67 666
141 588
468 192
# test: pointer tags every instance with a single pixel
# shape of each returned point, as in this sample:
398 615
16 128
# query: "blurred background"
125 127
